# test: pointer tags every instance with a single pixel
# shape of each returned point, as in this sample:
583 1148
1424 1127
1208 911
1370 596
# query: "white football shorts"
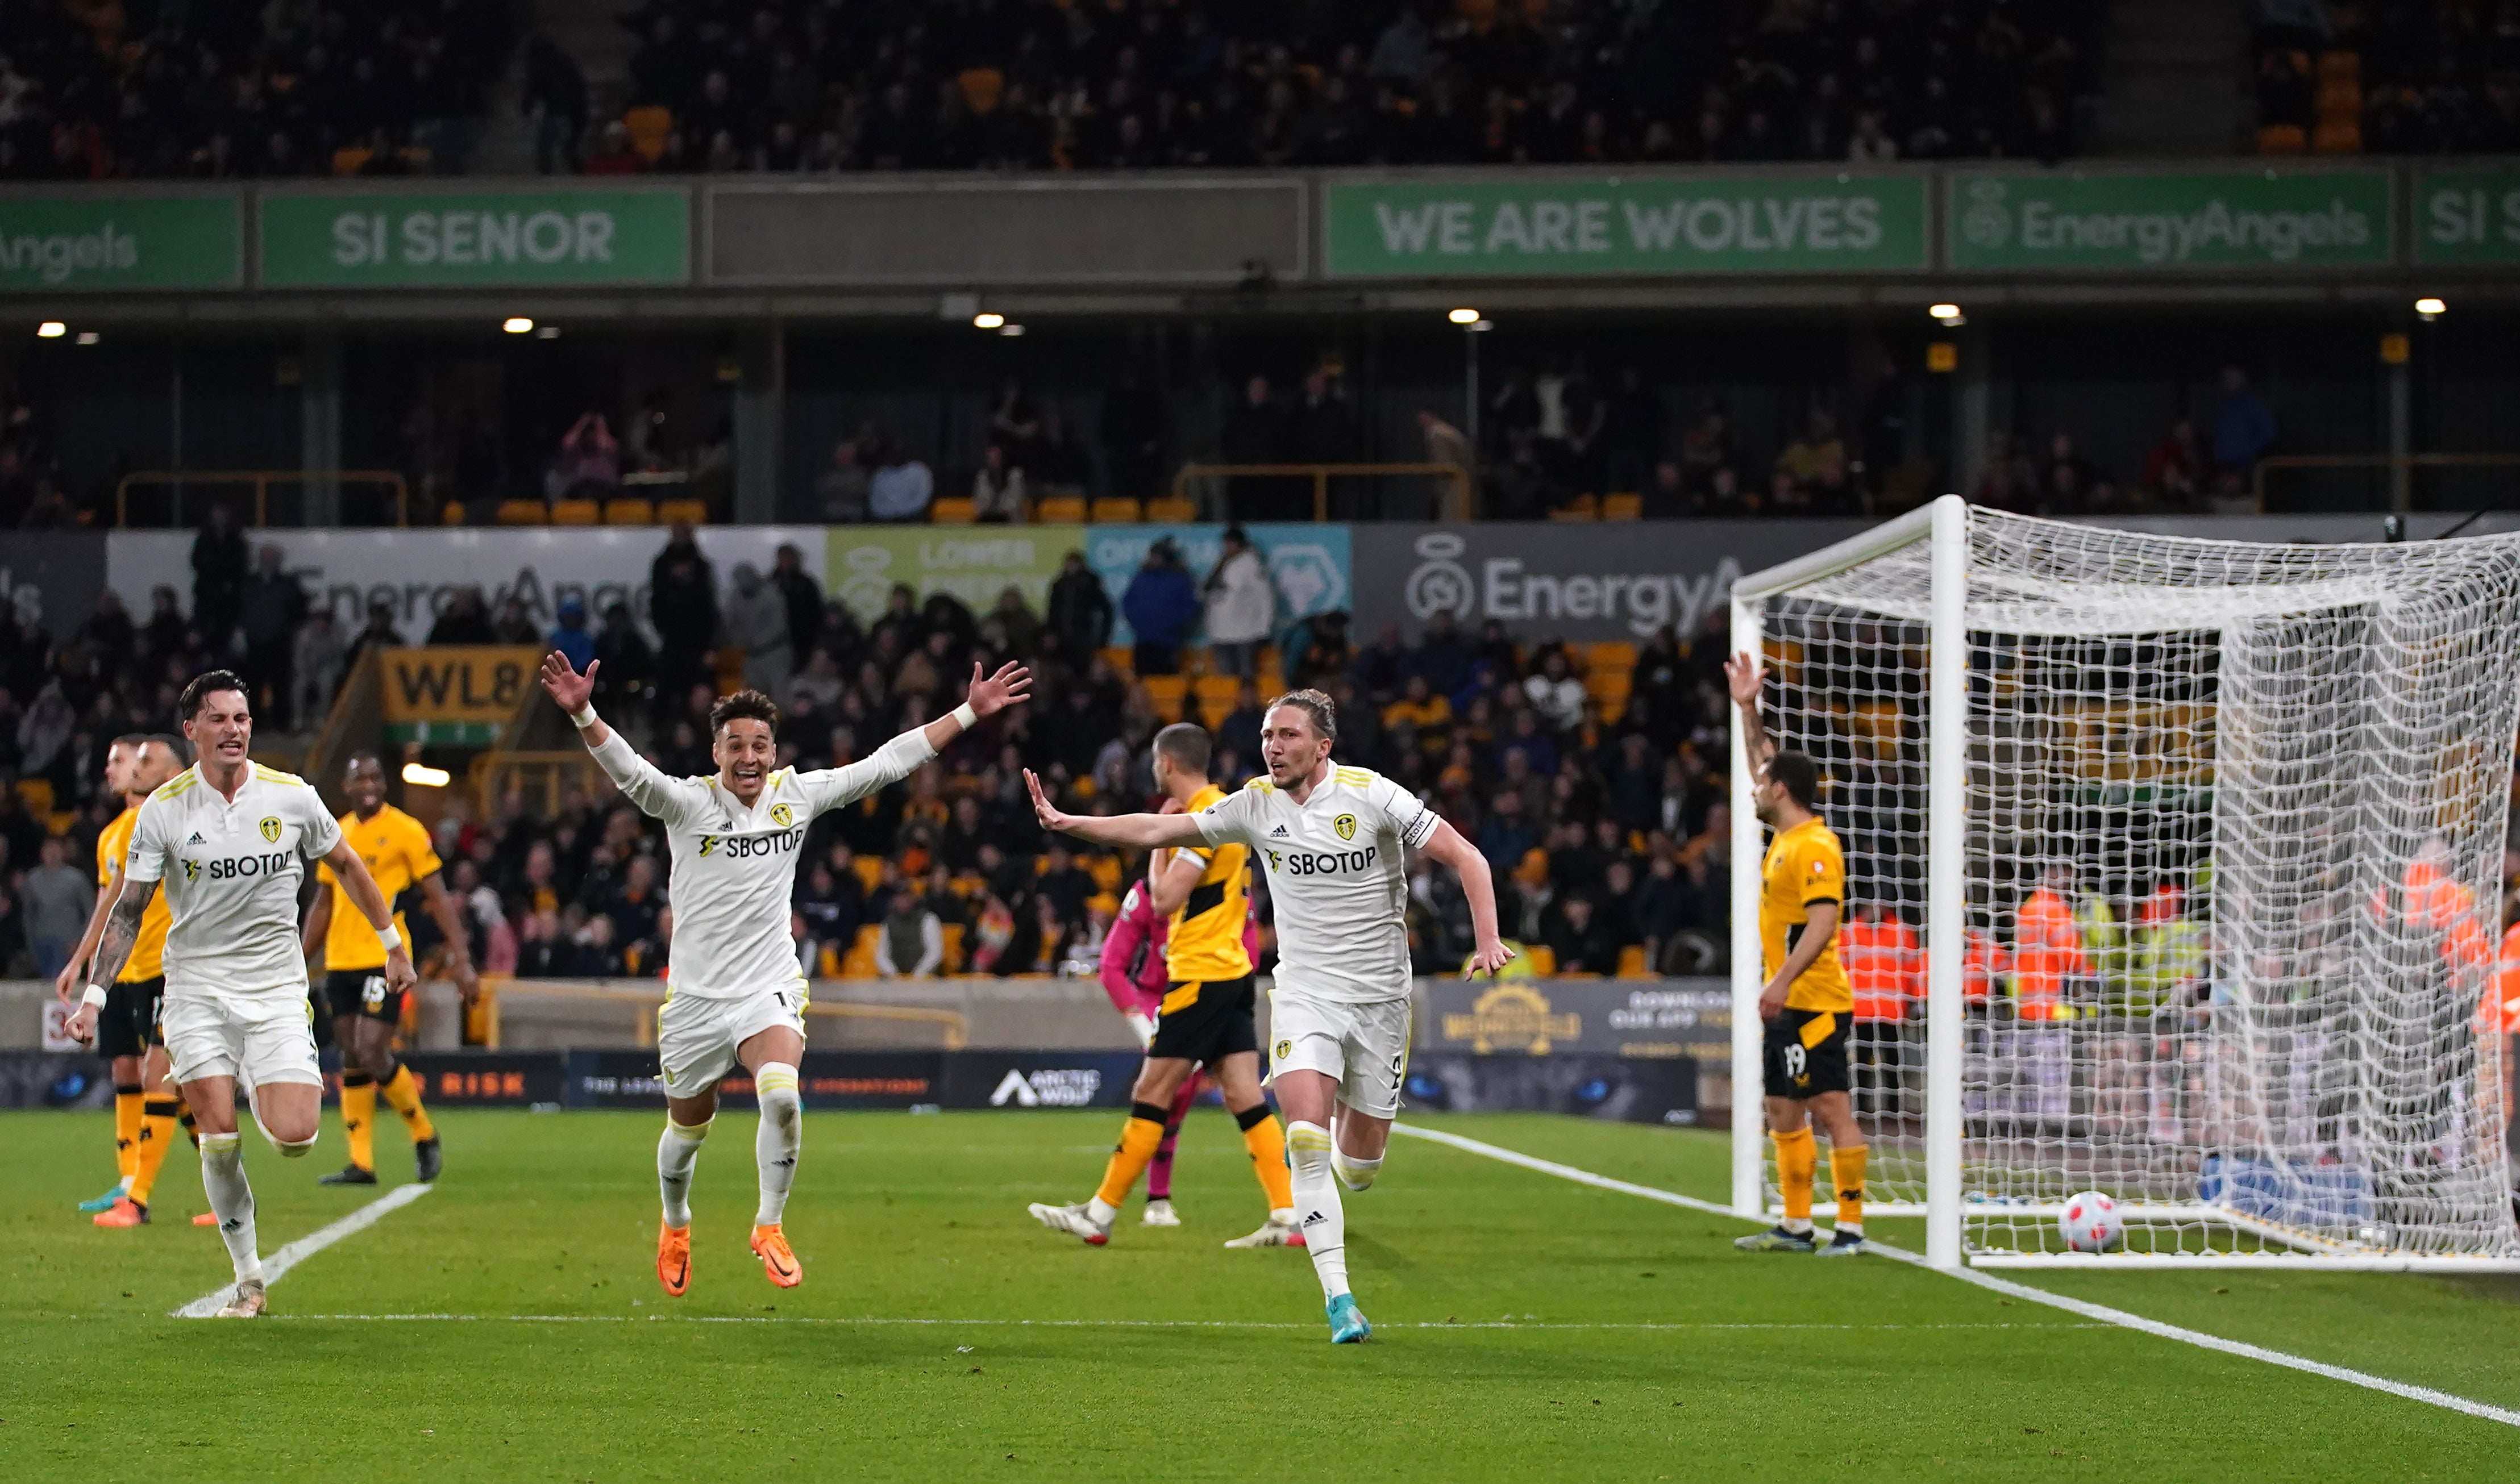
696 1039
1366 1047
256 1039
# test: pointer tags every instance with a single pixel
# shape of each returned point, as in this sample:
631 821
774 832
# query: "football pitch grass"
509 1326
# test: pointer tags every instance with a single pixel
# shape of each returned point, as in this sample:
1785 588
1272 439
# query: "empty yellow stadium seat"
350 159
2339 98
630 510
870 869
1612 655
1065 509
953 512
2340 65
2283 139
981 87
524 512
647 128
1542 959
2338 136
1216 695
953 934
1172 512
1166 691
1631 963
38 795
694 511
1114 511
576 513
859 961
1580 507
1623 507
451 513
1118 657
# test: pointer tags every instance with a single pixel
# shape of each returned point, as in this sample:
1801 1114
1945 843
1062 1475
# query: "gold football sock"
192 1130
156 1134
402 1090
1138 1140
359 1117
1797 1159
1267 1146
126 1130
1846 1172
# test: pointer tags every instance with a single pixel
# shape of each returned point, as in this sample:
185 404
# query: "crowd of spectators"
2187 471
1605 831
1132 84
2403 78
103 89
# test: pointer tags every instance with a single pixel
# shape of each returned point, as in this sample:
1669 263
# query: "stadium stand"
2423 78
99 89
1580 772
1035 84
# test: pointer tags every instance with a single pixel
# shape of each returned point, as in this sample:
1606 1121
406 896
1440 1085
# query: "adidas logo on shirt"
1278 833
197 839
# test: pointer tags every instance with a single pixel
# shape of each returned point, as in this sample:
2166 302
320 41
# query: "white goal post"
2173 871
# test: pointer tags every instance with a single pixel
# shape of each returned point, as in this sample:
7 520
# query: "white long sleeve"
890 764
642 783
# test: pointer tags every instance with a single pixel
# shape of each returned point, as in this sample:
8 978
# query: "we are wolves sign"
1699 224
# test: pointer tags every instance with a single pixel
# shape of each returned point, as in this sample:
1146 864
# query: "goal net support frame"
2218 1215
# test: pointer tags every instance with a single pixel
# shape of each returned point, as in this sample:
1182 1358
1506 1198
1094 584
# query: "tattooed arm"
121 931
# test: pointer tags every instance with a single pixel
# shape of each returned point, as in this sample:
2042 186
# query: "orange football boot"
124 1212
674 1260
777 1261
206 1219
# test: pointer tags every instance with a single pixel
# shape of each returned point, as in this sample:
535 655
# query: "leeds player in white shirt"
734 991
229 839
1332 840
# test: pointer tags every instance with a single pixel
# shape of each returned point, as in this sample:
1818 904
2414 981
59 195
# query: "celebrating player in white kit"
229 838
1331 840
733 991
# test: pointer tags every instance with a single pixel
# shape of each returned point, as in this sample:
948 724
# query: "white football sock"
1354 1173
781 1135
1800 1226
231 1200
1316 1200
676 1153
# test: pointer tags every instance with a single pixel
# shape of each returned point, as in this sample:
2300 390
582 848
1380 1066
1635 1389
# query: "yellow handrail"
2402 489
1321 476
262 479
955 1027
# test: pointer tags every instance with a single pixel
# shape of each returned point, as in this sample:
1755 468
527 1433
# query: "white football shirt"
1336 874
231 870
734 868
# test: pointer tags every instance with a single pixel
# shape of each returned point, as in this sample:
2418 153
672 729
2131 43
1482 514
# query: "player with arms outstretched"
733 991
1204 1018
1806 1002
367 1012
229 838
145 1104
1331 840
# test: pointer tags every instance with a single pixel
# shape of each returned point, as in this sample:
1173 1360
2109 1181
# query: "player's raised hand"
568 687
1042 809
1741 676
1490 959
1013 683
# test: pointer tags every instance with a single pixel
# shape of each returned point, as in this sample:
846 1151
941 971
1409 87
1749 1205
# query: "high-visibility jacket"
1985 969
2498 1012
2047 947
1883 967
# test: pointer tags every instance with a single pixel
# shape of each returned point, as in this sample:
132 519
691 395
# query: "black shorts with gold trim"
1805 1052
1207 1020
362 992
127 1025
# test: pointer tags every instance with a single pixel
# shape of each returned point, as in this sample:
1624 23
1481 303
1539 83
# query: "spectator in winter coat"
756 622
1162 605
1080 610
570 636
1240 604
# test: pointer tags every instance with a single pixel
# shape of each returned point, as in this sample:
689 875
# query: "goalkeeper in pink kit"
1133 976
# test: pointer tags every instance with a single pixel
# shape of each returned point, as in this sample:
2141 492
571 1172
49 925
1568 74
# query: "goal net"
2173 871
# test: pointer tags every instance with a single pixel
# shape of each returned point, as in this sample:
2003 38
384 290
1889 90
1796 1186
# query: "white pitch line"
2081 1307
1080 1324
276 1267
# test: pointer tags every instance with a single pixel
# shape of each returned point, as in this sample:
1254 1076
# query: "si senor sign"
459 694
388 239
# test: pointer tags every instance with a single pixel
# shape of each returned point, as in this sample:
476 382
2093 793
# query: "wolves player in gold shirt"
367 1010
1806 1002
1205 1017
145 1105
